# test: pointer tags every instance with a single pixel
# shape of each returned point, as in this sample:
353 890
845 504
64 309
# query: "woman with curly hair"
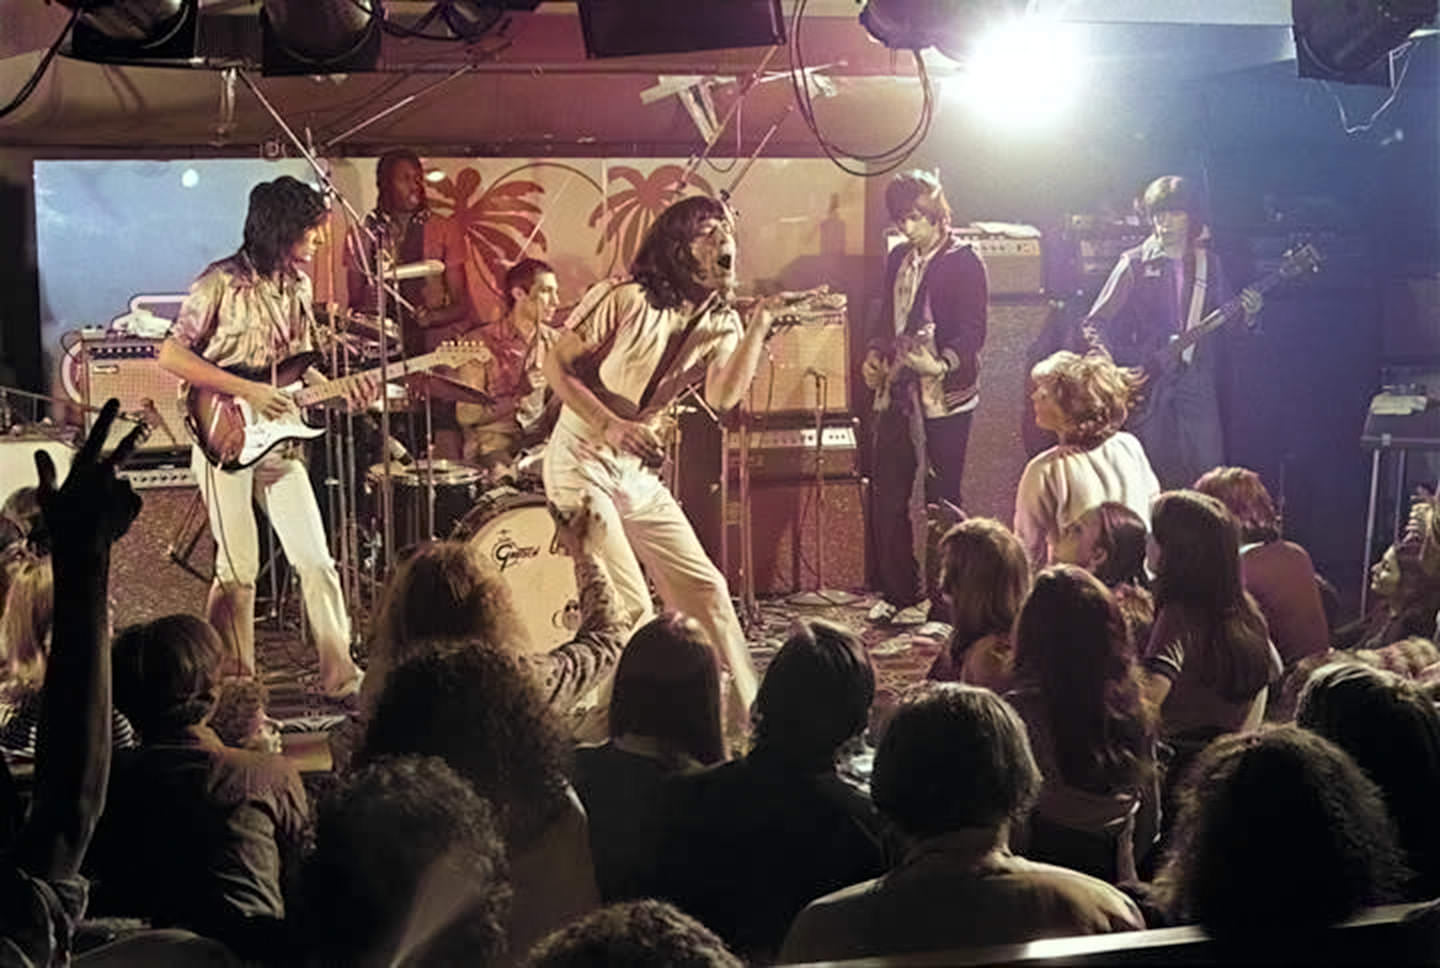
1079 690
1277 572
1280 834
628 350
1084 400
985 576
478 707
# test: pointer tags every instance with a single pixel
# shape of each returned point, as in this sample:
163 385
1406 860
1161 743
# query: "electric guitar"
897 374
233 436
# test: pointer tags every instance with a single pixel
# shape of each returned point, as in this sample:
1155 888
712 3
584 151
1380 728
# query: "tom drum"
456 488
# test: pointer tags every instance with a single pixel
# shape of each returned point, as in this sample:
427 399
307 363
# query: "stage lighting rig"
140 30
320 36
1350 42
946 24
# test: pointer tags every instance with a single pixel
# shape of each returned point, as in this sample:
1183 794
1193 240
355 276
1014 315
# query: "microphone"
414 270
394 450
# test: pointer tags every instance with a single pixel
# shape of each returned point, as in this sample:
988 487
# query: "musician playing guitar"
1157 291
923 364
250 311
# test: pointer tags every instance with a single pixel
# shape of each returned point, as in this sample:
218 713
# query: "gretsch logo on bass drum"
508 551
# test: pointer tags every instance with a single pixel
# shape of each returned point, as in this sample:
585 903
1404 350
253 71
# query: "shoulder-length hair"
1199 580
167 673
1092 392
1072 643
667 686
663 265
1122 535
1243 493
280 213
920 191
1172 193
25 625
1281 822
815 696
985 574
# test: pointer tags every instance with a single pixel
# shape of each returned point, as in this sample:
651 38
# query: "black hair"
280 213
663 265
816 694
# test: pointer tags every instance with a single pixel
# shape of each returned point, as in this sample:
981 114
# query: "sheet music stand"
1402 433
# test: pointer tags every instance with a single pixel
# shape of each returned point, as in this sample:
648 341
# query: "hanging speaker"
623 28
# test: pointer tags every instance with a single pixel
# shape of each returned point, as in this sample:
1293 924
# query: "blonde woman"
1084 400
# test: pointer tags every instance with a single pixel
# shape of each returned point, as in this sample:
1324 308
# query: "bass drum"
513 531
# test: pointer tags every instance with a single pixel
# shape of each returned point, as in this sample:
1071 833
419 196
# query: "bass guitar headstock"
1301 260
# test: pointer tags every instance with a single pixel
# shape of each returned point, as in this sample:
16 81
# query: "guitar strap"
672 352
1197 297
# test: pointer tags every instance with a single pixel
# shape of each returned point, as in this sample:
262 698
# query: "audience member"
664 719
478 707
637 934
1209 639
1405 596
195 834
408 869
22 512
1279 833
25 629
1278 573
1392 732
954 773
985 575
749 842
1109 541
42 895
1084 400
1078 689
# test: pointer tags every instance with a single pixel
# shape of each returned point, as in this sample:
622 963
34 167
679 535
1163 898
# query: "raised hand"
577 530
93 507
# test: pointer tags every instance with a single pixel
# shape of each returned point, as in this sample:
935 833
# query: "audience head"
25 623
408 869
954 756
1400 579
985 574
667 687
1108 541
816 695
1278 832
441 590
479 709
22 511
1244 495
1391 729
1082 399
1071 642
640 934
166 673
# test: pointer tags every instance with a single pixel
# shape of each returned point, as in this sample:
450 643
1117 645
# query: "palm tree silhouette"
498 225
631 210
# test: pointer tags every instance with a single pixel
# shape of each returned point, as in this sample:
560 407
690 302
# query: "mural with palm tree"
630 210
499 225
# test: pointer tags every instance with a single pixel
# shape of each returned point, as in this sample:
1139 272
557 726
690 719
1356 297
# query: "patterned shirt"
235 318
515 372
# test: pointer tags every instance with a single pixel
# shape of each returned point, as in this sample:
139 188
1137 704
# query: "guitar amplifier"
807 367
792 453
129 370
1014 265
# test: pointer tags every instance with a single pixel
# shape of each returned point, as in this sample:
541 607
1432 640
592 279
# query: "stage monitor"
624 28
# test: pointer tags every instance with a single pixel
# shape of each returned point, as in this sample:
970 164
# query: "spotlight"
917 24
1023 72
320 36
133 30
1349 41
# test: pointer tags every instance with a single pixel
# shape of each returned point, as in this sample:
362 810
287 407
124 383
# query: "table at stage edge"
1401 433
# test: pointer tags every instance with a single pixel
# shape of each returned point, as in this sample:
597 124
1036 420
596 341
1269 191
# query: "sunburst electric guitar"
233 436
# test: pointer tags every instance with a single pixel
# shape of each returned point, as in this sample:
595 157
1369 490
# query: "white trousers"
282 487
644 525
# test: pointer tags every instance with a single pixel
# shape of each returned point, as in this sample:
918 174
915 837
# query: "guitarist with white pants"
250 311
1157 291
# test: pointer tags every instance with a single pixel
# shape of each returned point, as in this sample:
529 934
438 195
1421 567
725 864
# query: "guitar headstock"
457 352
1302 259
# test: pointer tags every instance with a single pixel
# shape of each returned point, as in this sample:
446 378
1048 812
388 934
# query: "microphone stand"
821 595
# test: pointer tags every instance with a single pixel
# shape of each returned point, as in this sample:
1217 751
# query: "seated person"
749 842
954 772
1108 541
408 868
1405 596
195 834
477 705
664 719
1278 573
639 934
1280 834
984 576
524 410
240 718
1085 401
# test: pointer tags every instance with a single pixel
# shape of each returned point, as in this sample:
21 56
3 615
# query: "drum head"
514 532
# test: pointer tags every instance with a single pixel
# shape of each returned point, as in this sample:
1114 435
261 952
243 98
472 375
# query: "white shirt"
1065 481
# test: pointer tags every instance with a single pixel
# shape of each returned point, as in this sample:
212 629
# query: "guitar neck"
1222 314
339 387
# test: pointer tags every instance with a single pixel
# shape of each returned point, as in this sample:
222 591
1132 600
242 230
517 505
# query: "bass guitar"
233 436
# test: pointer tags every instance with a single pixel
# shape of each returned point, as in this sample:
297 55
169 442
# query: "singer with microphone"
413 240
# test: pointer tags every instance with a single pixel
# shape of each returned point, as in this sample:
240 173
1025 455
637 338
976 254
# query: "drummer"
496 435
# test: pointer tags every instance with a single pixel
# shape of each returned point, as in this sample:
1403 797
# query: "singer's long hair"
280 213
663 265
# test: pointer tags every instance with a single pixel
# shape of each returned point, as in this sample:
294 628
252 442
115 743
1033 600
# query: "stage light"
1349 41
320 36
472 19
189 178
131 30
917 24
1022 73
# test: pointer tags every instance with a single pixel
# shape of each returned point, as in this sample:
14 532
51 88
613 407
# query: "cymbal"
439 387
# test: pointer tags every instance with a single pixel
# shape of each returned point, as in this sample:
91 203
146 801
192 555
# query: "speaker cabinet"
128 369
621 28
807 367
163 564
